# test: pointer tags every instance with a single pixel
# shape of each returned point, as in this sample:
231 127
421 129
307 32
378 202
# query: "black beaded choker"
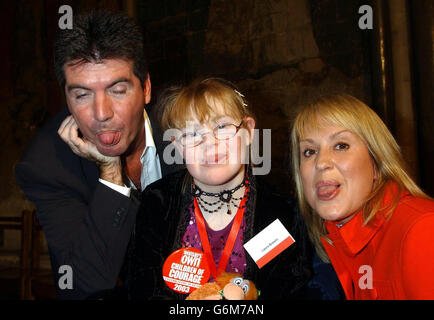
224 197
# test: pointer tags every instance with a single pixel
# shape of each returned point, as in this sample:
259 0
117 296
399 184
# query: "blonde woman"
212 128
363 211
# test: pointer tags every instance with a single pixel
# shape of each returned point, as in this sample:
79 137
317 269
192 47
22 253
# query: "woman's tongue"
109 138
325 192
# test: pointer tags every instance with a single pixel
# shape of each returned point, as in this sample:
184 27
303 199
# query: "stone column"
405 124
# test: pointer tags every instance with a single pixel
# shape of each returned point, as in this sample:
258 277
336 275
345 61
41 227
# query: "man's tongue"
109 137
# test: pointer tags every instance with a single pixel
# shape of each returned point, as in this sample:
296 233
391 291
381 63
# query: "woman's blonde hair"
199 100
350 113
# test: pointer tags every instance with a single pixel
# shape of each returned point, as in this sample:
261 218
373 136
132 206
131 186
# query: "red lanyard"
215 272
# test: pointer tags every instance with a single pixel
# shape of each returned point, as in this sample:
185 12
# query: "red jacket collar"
354 235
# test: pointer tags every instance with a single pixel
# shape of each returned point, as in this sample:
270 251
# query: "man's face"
107 102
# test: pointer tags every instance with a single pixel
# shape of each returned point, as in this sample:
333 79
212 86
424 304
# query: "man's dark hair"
100 35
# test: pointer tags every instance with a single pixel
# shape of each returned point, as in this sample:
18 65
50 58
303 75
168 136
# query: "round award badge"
185 270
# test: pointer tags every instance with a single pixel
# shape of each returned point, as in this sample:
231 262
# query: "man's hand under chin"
110 167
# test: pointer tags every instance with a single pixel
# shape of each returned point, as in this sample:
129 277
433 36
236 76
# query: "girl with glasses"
216 198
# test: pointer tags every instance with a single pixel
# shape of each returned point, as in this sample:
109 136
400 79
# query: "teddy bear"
227 286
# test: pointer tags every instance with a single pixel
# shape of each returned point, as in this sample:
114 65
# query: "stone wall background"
279 52
24 99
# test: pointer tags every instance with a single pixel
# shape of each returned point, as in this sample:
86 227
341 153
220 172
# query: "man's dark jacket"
87 224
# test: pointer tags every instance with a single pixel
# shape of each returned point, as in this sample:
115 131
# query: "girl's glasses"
221 132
